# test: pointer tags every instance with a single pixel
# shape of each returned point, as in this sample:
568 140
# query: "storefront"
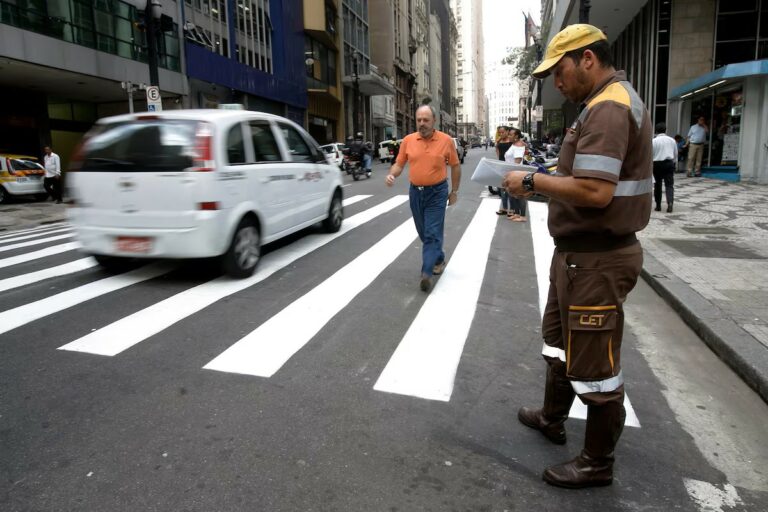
734 103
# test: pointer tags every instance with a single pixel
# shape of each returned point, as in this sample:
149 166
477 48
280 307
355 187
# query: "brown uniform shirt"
611 140
427 157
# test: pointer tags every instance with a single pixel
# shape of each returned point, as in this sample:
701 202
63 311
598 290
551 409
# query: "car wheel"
244 251
4 196
112 264
332 223
41 197
382 160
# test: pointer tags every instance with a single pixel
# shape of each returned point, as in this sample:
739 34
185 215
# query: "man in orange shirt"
428 151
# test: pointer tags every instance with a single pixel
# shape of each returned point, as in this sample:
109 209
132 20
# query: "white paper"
491 172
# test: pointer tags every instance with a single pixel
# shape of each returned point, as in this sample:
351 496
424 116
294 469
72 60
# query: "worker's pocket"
589 348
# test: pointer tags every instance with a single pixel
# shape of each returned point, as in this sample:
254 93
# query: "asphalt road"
330 382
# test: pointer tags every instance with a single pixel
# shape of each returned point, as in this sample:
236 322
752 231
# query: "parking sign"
154 101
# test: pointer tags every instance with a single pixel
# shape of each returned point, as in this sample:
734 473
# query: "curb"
732 344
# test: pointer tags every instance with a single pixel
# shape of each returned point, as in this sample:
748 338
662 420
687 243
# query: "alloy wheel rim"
247 247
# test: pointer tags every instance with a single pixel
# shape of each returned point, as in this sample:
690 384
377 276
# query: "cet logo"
591 320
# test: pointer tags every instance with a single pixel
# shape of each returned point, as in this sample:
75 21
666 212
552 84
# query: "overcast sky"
503 25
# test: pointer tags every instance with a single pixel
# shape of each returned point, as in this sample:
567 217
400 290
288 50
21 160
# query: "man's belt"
590 242
422 187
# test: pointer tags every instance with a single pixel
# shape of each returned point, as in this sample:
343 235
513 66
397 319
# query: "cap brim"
545 68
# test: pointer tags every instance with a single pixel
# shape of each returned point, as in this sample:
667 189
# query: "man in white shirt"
52 180
697 137
664 158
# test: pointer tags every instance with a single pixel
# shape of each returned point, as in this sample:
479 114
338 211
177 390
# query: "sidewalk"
709 260
24 213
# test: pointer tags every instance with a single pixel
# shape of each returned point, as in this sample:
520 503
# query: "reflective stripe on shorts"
598 386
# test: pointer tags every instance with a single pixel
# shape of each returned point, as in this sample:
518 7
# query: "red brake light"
208 206
203 159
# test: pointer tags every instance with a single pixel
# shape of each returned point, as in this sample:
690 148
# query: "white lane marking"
22 315
127 332
543 247
709 498
355 199
60 270
425 362
7 234
42 253
265 350
33 235
34 242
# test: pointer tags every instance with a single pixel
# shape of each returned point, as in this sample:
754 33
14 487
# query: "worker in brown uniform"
599 199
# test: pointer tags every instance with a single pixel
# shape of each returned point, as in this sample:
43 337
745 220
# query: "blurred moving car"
21 175
334 153
460 150
198 184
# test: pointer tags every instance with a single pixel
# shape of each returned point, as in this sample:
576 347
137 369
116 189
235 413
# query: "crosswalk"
423 365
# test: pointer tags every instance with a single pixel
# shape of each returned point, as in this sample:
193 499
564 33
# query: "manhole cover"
712 249
710 231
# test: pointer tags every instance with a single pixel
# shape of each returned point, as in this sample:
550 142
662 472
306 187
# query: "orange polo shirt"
427 157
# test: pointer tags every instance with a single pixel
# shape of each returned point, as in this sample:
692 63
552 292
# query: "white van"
196 184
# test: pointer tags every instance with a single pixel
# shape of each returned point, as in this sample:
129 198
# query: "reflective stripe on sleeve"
598 386
597 163
633 188
553 352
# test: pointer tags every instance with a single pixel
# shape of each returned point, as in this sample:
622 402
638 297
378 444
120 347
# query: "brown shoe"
583 471
439 268
426 283
554 431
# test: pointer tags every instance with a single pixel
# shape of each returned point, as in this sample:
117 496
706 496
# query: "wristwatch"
528 182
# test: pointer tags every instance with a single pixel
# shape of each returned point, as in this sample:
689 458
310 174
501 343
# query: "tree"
523 60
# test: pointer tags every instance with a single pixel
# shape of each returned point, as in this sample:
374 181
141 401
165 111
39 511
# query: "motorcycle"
354 166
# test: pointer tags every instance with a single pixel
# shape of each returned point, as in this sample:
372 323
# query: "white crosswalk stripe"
47 273
127 332
42 253
40 229
39 241
33 235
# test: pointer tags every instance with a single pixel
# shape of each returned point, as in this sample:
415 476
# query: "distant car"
334 153
21 175
386 151
198 184
476 144
460 150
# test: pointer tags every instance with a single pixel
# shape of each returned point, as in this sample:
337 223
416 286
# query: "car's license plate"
21 180
133 244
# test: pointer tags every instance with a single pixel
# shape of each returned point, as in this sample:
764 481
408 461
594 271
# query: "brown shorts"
584 317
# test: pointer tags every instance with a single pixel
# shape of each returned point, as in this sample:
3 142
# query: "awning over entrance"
371 85
719 77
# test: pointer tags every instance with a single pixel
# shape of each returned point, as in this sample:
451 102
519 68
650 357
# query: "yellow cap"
570 38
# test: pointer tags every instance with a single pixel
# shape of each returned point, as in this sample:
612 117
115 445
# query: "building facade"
470 71
503 97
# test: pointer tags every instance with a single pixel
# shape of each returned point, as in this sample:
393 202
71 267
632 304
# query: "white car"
461 151
334 152
198 184
385 150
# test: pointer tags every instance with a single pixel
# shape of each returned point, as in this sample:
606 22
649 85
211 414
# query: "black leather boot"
558 397
594 467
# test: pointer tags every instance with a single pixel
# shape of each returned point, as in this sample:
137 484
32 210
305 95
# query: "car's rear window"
24 165
141 146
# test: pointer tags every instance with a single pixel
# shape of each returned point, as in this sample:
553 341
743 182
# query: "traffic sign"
154 101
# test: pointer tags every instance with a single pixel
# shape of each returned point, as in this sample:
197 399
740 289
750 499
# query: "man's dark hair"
661 127
517 132
601 49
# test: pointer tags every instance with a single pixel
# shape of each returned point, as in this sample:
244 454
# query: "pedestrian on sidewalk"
600 198
664 163
502 146
427 152
52 179
515 155
697 137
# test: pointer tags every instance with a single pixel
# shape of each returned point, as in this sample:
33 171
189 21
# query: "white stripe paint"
33 235
8 234
425 362
42 253
543 247
34 242
127 332
711 499
22 315
265 350
33 277
355 199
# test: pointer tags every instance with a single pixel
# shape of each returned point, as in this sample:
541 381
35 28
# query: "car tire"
112 264
4 195
332 223
244 250
41 197
381 160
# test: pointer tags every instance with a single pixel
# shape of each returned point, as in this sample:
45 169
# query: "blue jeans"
428 209
367 159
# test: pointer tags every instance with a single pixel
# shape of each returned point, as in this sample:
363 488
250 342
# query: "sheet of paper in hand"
490 172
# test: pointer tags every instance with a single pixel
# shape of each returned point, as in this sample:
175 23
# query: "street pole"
584 6
151 32
355 94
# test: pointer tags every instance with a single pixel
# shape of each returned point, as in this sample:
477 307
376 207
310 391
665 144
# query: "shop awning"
371 84
719 77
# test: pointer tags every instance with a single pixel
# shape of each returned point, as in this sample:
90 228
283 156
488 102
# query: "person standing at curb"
52 180
427 152
599 200
664 163
697 137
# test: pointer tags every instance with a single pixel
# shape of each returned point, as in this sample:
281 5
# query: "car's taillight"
203 159
208 206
